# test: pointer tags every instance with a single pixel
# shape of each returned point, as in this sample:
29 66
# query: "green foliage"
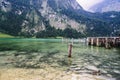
71 33
101 23
25 34
11 24
52 32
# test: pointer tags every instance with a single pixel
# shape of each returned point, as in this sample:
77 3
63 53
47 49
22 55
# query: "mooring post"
92 41
114 39
70 50
106 42
97 42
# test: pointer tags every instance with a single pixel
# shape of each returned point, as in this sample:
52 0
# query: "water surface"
37 53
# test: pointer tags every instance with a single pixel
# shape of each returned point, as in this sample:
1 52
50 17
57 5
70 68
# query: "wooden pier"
107 42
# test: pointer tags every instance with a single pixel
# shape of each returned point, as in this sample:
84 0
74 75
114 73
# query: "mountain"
50 18
32 16
106 6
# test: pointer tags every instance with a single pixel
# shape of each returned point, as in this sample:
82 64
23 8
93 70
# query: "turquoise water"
36 53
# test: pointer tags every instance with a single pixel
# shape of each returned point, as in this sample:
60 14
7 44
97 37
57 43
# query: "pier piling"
106 42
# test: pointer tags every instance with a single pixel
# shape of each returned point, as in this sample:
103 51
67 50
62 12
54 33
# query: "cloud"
86 4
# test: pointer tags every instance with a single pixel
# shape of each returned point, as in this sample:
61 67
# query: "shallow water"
39 53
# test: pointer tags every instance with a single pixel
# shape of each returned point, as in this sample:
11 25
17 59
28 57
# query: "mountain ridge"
43 17
106 6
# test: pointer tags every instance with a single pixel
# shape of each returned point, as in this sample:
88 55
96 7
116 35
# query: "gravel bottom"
45 74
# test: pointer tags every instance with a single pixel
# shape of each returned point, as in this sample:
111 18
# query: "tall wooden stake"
70 50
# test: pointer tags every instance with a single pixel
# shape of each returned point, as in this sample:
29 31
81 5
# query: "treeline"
10 23
52 32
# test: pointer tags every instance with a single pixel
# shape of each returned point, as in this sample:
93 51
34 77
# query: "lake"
41 58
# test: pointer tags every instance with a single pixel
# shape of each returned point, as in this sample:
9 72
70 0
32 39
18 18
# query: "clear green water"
36 53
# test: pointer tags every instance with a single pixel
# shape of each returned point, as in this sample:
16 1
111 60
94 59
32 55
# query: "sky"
86 4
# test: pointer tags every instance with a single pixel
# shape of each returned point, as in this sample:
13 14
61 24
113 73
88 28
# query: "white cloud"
86 4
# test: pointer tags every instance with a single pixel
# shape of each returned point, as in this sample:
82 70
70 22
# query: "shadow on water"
118 50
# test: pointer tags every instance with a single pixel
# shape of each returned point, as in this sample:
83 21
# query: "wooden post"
97 42
114 38
106 42
70 50
92 39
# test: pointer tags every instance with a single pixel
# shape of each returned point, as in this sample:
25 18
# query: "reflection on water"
37 53
118 49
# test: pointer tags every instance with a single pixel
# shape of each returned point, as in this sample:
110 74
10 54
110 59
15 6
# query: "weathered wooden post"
92 41
97 43
107 45
117 42
106 42
70 50
114 39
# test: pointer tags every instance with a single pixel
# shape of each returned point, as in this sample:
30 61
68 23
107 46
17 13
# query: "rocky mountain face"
106 6
52 18
34 15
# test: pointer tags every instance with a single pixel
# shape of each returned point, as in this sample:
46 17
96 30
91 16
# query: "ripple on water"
37 54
